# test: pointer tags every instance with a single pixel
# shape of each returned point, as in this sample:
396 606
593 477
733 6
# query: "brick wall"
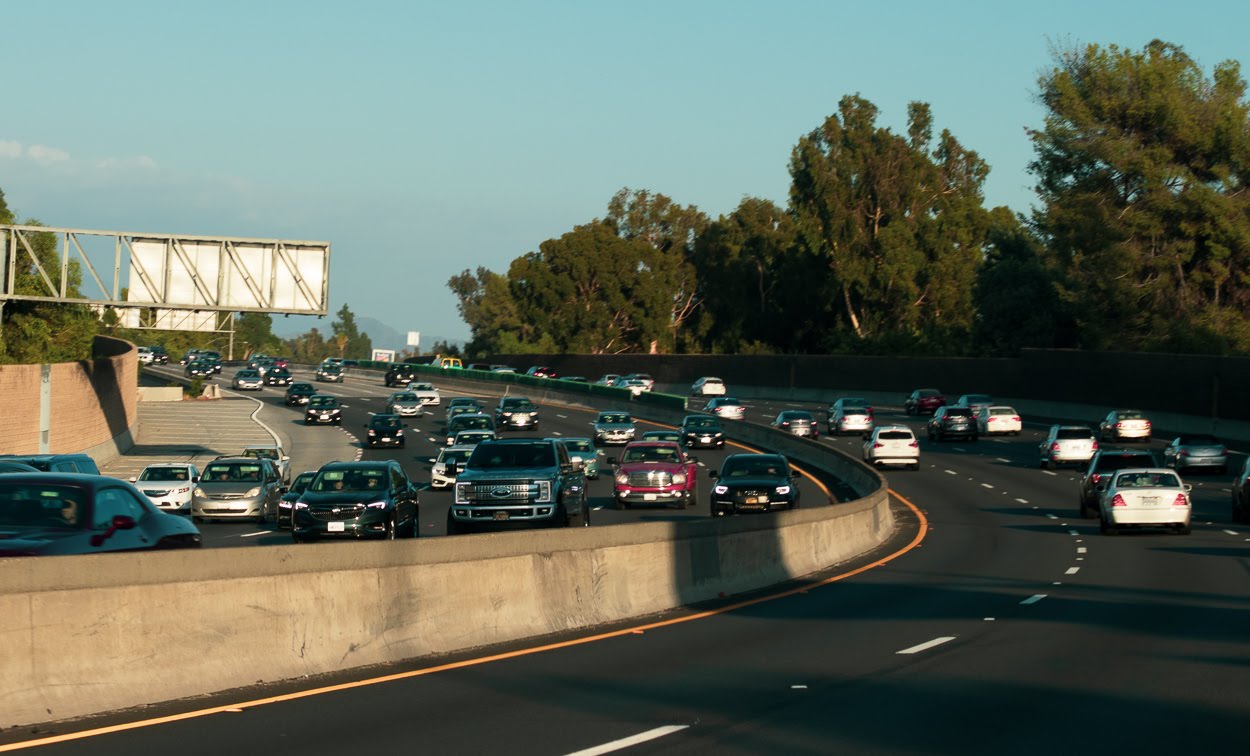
92 401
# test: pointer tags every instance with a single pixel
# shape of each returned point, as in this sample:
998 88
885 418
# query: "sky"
425 138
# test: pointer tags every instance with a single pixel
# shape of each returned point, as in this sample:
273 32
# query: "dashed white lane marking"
1000 459
253 535
1050 472
989 619
562 417
700 464
556 433
1072 570
1232 532
927 645
951 472
798 687
986 485
1034 598
1073 532
1080 559
1227 490
1081 549
958 449
597 509
632 740
1051 517
1022 501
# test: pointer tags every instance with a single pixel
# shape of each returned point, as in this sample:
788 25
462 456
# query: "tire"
915 467
454 527
684 501
1184 529
586 515
197 519
1239 514
296 538
1105 528
621 504
1086 512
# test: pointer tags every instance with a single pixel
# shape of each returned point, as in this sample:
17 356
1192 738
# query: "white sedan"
168 486
726 407
1145 497
892 445
708 386
999 420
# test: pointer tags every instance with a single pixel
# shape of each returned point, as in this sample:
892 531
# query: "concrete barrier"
97 633
160 393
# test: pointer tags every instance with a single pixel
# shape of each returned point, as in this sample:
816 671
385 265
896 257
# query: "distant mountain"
382 335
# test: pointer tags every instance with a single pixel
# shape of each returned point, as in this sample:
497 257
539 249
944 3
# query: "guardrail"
105 632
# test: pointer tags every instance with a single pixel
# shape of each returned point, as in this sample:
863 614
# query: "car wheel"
200 520
1104 527
622 504
1086 512
1185 529
453 526
1239 514
297 538
1050 464
585 515
915 467
683 501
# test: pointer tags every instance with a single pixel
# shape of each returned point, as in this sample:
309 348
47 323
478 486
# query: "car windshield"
349 479
753 468
1071 433
701 422
261 453
231 472
164 473
41 505
650 454
471 423
1147 480
457 456
324 402
385 423
661 436
578 445
422 387
331 369
473 436
280 371
405 398
614 417
490 455
518 405
301 481
248 374
300 388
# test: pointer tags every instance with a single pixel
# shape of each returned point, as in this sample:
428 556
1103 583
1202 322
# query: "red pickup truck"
654 472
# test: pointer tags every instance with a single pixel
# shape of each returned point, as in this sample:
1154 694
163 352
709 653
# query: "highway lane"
1010 629
363 395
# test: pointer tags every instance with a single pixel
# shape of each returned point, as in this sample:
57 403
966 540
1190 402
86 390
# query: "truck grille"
502 492
651 478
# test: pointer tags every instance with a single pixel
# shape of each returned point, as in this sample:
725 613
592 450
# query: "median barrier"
97 633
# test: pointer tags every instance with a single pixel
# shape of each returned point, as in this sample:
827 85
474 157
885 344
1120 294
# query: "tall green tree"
348 341
1142 167
255 329
898 221
486 306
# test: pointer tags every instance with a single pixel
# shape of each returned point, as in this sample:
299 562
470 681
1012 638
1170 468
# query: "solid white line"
956 448
1081 549
1023 501
927 645
798 687
1231 532
258 533
986 485
1034 598
562 417
598 509
1072 570
633 740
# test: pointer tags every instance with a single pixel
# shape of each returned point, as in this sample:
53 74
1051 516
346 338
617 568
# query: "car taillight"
1095 477
1183 453
1095 446
1118 501
914 444
1147 423
1016 419
1054 446
878 445
787 422
1181 501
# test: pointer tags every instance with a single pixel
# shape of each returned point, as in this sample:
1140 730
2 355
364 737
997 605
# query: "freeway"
1006 625
363 395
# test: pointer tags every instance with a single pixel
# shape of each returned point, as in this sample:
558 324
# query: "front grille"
226 496
651 478
487 493
155 493
329 515
219 511
741 496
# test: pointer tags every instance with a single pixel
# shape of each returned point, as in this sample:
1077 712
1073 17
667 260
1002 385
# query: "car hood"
504 473
342 498
669 467
753 482
224 487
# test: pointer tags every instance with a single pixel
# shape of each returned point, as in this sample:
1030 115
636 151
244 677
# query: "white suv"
708 386
1067 444
892 445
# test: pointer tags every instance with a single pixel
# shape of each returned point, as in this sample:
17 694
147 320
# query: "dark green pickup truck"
521 482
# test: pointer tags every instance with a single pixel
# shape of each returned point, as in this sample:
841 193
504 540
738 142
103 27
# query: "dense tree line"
1140 239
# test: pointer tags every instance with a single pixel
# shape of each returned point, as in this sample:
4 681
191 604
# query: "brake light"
1118 501
787 422
1147 423
1016 418
1181 501
1054 446
878 445
1095 477
1119 425
1095 446
914 444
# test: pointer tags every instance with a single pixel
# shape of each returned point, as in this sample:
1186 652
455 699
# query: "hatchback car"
1101 466
298 394
952 422
1147 497
726 407
754 483
1196 451
797 423
999 420
1067 445
237 488
357 500
516 412
405 404
708 386
323 410
702 430
1120 425
924 401
247 380
52 514
168 485
614 428
892 445
384 430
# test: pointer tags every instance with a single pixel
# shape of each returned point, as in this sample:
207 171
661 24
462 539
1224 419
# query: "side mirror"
1188 487
119 522
195 479
713 474
692 459
577 464
794 475
134 479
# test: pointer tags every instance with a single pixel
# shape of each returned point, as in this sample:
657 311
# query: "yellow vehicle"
445 363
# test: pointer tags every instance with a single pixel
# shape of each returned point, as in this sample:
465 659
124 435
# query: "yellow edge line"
920 535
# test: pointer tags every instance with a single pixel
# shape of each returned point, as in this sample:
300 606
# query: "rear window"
896 435
927 392
1122 461
1074 433
1002 411
233 472
1199 440
1147 480
1131 415
958 412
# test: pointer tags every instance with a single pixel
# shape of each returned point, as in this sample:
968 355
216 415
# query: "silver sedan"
1196 450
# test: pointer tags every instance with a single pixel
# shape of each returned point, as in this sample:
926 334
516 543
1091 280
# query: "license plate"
386 439
705 439
648 497
757 499
336 527
325 417
1150 500
501 515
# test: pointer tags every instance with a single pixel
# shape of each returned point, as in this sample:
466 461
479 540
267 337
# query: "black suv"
299 393
702 430
357 500
400 375
952 422
519 481
516 412
1101 465
384 430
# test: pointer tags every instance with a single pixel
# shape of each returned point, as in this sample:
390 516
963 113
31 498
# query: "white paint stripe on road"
927 645
562 417
1000 459
1051 516
1232 532
1072 570
1022 501
986 485
253 535
951 472
1034 598
1073 532
632 740
1050 472
1081 549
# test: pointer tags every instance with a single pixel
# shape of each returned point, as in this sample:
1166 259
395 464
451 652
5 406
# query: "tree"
348 340
255 329
1142 167
897 221
486 305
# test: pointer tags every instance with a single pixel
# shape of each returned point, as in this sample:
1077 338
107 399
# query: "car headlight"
507 414
622 479
679 479
719 434
720 489
301 505
198 492
334 412
376 505
372 432
783 490
439 469
252 492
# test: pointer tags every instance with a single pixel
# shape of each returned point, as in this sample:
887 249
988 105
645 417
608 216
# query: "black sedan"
46 514
702 430
754 483
357 500
278 376
323 409
384 430
299 393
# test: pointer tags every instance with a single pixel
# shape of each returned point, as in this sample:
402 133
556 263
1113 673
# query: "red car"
654 472
924 402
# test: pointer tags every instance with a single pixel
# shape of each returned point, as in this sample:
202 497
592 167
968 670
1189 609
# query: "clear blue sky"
423 138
